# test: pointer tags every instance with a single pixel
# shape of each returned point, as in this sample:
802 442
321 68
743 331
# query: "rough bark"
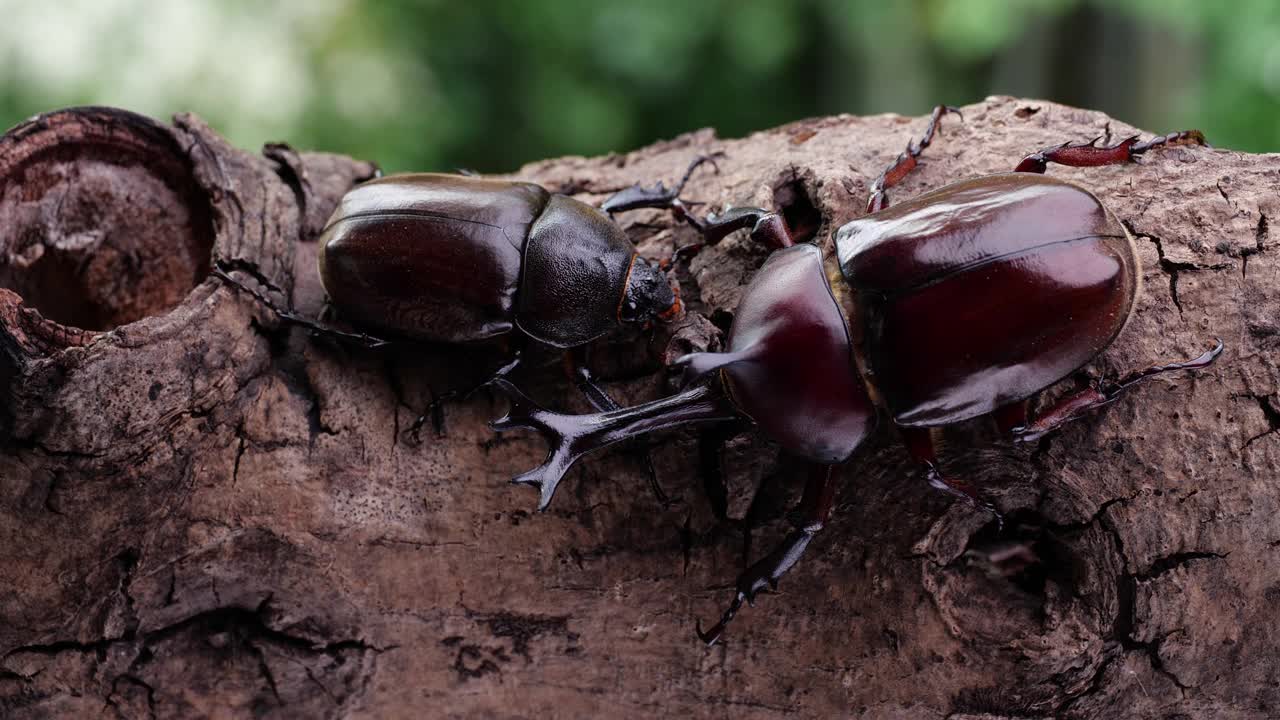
203 513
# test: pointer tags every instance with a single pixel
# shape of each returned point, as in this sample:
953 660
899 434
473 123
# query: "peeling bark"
205 513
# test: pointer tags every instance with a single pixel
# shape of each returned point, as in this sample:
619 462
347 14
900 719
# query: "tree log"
206 513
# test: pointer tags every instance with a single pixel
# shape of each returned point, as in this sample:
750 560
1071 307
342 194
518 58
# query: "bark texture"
203 513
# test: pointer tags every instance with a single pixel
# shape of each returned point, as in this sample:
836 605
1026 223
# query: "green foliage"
490 84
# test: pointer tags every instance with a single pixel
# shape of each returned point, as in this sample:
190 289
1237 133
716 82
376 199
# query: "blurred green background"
489 85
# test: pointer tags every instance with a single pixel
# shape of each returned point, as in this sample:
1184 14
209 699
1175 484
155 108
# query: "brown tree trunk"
204 513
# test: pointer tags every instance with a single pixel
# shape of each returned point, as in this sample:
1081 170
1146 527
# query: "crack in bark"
1122 624
1151 648
170 595
1127 586
1167 266
1223 192
235 467
1172 562
522 629
1172 268
323 688
264 669
128 561
1270 412
296 378
1152 651
252 622
139 682
1095 682
283 158
1260 234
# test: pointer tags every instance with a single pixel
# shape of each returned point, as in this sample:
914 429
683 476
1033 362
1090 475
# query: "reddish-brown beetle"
899 322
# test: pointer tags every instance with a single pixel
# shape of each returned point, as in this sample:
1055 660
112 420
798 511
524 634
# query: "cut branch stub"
101 221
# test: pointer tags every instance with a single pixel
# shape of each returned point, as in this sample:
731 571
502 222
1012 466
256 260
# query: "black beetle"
964 302
459 259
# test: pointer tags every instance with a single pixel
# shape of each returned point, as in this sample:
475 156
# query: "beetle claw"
710 637
707 638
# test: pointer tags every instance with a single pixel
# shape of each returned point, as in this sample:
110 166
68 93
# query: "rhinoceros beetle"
964 302
461 259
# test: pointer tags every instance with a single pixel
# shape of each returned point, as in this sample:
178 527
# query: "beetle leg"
906 161
815 510
768 228
222 270
435 409
658 196
576 366
920 443
1099 394
1090 155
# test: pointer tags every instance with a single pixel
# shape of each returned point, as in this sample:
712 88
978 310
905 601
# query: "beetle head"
648 295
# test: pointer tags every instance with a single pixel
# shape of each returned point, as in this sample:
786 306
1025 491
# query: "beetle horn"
572 436
697 365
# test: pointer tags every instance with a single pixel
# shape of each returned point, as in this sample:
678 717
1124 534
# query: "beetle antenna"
222 270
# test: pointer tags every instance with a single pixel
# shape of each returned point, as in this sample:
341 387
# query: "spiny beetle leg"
222 270
435 409
767 227
1101 393
658 196
815 510
906 161
1090 155
920 443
